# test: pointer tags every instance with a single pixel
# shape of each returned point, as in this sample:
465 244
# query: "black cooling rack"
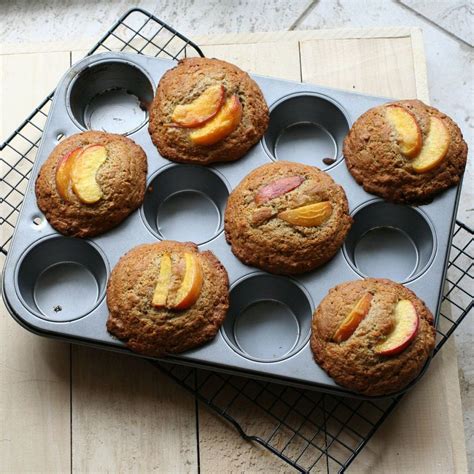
311 431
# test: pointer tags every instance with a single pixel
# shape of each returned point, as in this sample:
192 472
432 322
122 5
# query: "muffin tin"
55 286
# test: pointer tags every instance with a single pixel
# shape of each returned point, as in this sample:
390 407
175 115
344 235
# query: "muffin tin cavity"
61 279
390 241
186 202
269 318
111 96
306 128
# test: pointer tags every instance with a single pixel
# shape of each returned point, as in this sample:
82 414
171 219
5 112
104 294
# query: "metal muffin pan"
55 286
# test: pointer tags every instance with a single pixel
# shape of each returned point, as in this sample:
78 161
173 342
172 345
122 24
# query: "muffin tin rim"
101 294
415 275
99 59
163 168
340 157
297 347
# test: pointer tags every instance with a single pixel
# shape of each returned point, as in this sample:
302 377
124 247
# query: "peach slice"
434 148
353 319
308 216
408 131
63 174
200 110
83 173
222 125
162 287
191 285
277 188
261 215
406 327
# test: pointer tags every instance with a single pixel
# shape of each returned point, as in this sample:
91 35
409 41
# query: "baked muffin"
166 298
91 182
372 336
207 110
286 218
405 151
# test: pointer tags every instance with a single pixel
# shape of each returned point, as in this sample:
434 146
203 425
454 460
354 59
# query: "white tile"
454 16
56 20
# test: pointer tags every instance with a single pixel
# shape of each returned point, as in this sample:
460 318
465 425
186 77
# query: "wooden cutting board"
71 408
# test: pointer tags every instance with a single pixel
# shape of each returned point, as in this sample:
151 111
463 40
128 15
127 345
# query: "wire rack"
311 431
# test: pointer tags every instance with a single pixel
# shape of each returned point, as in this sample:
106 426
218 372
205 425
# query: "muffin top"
207 110
166 298
372 336
91 182
405 151
287 218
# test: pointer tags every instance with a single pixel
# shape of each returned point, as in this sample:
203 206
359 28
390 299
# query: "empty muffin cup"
306 128
186 202
112 96
390 241
269 318
61 279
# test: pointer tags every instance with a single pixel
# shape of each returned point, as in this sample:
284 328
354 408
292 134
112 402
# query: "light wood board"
66 408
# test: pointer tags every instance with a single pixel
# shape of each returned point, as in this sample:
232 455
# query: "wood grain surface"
78 409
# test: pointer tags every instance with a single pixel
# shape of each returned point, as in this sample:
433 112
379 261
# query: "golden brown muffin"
207 110
405 151
91 182
372 336
166 298
286 218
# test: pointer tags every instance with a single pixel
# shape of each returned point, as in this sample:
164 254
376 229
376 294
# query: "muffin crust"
187 81
122 179
374 159
259 238
354 363
157 332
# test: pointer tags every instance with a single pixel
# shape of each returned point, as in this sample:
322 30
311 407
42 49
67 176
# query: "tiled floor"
448 27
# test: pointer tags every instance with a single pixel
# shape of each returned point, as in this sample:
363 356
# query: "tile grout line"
433 23
307 11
